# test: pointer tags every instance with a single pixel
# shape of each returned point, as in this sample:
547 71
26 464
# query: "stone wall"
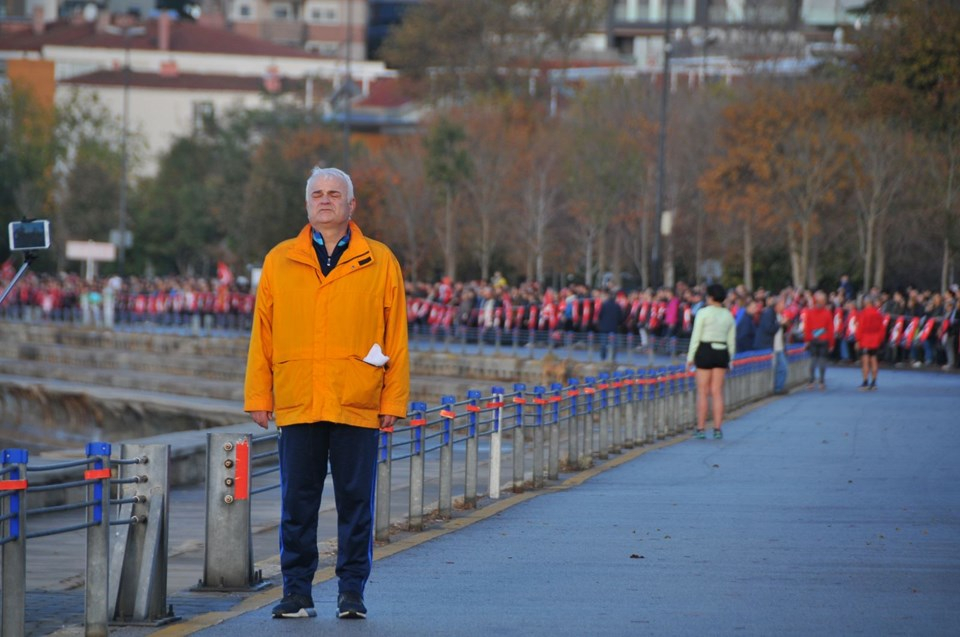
63 385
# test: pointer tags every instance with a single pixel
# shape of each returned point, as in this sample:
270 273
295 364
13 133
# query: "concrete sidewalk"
821 513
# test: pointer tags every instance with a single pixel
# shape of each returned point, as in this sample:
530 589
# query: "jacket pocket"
292 382
362 384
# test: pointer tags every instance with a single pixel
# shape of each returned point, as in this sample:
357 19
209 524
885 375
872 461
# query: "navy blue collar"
342 243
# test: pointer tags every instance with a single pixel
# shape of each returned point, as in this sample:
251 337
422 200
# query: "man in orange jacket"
328 360
818 337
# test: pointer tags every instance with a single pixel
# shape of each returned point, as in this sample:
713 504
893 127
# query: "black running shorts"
712 356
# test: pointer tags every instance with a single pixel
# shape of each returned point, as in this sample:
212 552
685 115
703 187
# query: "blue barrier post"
673 376
496 441
661 407
384 478
603 445
472 460
646 391
573 425
618 422
586 450
97 587
417 423
539 402
518 437
631 436
553 457
445 504
14 510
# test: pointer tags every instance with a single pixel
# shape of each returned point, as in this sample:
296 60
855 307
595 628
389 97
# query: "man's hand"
387 421
262 418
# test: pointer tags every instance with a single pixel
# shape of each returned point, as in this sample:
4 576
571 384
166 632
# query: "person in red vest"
870 333
818 336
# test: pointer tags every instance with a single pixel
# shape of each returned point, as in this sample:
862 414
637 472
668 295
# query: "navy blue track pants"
304 453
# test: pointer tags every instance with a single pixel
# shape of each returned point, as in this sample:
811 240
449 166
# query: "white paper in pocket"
376 356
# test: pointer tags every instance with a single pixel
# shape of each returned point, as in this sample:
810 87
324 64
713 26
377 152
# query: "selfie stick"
28 258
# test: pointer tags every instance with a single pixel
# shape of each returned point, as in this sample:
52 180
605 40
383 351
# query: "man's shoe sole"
351 614
300 614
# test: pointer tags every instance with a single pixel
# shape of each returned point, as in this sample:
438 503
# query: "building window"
244 11
202 116
323 13
329 49
281 11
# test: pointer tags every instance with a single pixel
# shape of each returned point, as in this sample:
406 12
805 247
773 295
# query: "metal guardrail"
528 436
135 589
515 440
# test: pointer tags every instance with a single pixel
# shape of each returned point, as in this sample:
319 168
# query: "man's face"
327 204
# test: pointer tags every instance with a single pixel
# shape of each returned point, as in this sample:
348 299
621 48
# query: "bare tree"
808 168
878 173
409 201
492 159
540 195
447 166
945 168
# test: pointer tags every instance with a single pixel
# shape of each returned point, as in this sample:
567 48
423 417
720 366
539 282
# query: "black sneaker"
873 386
294 606
350 606
865 386
701 434
717 434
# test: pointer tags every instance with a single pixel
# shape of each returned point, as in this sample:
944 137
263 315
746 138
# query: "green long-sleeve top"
713 324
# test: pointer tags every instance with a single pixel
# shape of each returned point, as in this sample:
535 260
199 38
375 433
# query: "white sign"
91 251
666 223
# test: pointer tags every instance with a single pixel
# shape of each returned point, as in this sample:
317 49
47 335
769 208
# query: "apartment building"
719 34
328 27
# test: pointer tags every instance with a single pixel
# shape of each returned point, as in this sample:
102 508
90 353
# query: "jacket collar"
357 254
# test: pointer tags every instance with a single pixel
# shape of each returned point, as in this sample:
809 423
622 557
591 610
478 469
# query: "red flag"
911 332
896 331
852 326
224 275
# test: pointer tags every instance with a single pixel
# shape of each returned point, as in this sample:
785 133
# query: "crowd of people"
920 326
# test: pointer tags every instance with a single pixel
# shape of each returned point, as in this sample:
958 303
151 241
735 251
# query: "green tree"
29 151
61 163
494 46
445 49
177 232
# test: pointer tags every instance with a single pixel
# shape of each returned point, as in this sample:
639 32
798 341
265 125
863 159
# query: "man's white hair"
330 172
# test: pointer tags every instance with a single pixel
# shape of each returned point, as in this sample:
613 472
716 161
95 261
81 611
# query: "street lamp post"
126 32
656 265
348 90
122 226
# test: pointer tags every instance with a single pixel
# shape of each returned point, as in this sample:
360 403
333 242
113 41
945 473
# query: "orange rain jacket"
311 333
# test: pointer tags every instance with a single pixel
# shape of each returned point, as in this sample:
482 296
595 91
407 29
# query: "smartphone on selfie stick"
27 236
